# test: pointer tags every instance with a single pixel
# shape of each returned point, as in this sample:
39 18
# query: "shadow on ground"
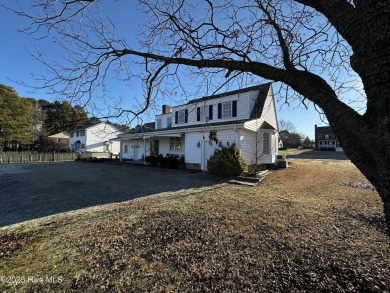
319 155
31 191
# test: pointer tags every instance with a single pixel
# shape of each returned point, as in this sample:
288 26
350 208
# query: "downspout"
121 150
144 150
238 137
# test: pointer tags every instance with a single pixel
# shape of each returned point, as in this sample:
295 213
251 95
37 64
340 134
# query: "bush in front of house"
226 161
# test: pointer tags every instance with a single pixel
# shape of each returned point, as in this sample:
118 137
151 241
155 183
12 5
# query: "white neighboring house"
245 117
100 137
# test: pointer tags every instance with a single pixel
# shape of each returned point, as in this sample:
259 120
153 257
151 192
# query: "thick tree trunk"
383 188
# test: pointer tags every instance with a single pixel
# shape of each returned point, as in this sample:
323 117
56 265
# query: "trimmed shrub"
226 161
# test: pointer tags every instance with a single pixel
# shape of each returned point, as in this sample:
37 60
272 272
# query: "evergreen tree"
16 125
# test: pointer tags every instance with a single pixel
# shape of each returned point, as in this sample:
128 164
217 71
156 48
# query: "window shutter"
234 109
198 114
186 116
176 117
219 110
210 112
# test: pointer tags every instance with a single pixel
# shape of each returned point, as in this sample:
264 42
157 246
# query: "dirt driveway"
30 191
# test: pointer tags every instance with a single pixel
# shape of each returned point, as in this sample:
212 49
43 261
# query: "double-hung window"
227 110
175 144
181 116
159 123
266 143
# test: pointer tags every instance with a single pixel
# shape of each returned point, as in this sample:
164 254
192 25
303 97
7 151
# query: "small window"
126 150
77 134
266 143
169 121
227 109
326 136
202 114
182 116
83 133
58 139
159 123
175 144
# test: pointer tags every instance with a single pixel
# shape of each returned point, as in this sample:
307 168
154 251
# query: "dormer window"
181 116
227 109
159 123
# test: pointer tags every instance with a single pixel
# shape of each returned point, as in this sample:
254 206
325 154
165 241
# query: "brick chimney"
166 109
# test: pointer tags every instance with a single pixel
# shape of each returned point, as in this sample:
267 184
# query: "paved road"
320 155
30 191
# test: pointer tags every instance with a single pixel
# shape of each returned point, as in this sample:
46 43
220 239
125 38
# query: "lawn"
303 229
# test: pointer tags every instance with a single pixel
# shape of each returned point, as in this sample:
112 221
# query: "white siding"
164 146
250 140
135 149
192 151
98 134
268 115
269 111
164 120
245 102
115 147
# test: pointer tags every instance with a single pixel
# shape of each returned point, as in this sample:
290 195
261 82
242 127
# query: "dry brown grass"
300 230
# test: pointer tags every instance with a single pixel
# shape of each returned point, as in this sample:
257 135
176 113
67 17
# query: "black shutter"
219 111
234 109
176 117
198 114
186 116
210 112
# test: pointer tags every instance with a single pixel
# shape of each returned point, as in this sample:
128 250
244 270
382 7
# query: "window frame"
266 143
175 144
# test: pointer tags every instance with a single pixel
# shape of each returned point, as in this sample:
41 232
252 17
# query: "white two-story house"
100 137
245 117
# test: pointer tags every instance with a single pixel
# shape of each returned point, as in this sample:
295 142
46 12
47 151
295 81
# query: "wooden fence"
32 157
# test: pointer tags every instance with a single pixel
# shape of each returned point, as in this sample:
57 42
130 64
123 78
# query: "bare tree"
320 49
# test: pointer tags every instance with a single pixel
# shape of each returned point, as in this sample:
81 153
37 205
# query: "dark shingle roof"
147 127
260 100
324 130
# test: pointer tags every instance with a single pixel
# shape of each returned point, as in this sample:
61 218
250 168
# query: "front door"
208 150
136 152
154 149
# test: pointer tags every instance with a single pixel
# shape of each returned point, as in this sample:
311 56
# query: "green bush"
226 161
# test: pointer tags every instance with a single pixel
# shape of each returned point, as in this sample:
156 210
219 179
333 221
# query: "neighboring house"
100 137
326 140
59 141
245 117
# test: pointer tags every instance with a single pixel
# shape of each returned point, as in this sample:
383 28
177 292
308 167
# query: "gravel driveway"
30 191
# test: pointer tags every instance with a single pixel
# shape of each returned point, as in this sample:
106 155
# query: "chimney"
166 109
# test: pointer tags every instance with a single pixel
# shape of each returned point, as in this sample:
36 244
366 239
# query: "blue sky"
17 65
